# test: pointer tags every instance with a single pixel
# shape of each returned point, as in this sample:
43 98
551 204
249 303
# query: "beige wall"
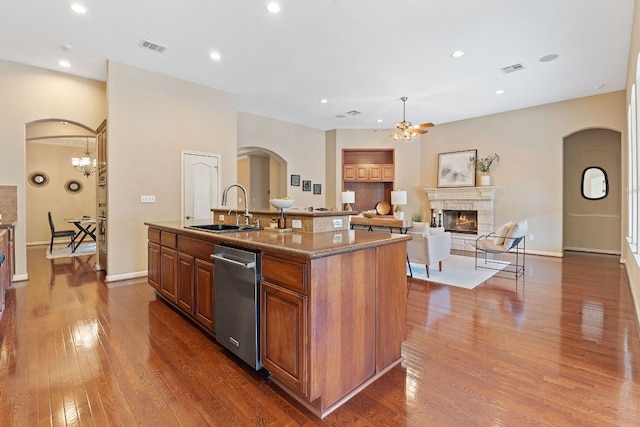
632 262
530 144
300 146
152 118
55 161
28 94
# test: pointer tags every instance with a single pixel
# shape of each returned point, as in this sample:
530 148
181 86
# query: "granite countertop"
306 245
290 212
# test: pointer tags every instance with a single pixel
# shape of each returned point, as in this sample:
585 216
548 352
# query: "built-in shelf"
370 173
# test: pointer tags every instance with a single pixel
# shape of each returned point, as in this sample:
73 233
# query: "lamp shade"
398 197
348 197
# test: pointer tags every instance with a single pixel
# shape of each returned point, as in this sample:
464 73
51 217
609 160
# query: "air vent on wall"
512 68
156 47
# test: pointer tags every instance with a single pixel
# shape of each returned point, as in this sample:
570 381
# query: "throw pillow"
519 229
501 233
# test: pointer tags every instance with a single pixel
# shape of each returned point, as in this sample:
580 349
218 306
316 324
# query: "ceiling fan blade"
420 131
424 125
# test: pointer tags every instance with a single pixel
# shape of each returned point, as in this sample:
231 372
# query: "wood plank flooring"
559 348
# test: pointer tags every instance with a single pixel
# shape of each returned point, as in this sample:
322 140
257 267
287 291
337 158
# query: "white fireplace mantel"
462 193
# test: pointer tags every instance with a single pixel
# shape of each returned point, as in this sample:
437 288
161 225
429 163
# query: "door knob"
188 217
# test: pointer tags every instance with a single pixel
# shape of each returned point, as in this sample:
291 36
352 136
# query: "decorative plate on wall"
73 186
38 179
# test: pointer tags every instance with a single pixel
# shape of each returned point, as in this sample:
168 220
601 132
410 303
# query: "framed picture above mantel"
457 169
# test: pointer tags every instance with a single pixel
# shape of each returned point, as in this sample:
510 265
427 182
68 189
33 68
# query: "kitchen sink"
222 228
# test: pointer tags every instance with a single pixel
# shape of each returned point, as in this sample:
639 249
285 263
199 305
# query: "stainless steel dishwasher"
236 278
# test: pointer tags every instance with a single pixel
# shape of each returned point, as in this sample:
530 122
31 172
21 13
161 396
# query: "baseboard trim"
128 278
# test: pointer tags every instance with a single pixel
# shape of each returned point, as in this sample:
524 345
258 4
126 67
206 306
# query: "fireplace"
460 221
479 200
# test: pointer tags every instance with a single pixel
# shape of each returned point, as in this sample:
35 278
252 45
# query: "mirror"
595 184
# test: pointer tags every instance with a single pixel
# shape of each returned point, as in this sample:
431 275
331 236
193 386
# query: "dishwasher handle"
221 257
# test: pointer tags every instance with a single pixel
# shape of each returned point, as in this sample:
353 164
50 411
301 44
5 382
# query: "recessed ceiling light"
499 92
600 87
273 7
64 63
66 46
78 8
457 54
549 58
379 120
323 101
215 56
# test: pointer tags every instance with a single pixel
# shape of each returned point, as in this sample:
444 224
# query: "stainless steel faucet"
247 215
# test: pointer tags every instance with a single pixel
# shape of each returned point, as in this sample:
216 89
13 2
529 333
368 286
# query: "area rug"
458 271
65 252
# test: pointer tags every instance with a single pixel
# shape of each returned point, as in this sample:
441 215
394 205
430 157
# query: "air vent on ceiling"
512 68
156 47
353 112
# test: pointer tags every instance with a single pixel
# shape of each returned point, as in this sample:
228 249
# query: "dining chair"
60 234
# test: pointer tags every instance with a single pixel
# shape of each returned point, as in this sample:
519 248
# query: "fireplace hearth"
460 221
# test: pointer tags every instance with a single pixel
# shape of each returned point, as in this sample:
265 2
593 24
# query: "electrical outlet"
220 217
147 198
530 236
296 223
337 223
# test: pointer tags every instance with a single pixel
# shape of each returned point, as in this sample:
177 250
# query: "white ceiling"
359 54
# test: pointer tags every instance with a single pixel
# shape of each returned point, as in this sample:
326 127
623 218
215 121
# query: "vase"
485 180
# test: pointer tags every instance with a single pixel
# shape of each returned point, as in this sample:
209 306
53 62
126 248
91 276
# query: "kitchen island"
332 304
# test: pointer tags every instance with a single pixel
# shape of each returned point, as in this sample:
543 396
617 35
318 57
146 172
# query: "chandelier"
84 164
405 130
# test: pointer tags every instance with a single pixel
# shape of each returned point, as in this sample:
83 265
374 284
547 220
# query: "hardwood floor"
560 349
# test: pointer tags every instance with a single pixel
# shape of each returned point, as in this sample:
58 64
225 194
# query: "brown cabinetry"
284 330
370 174
153 269
328 326
168 273
181 270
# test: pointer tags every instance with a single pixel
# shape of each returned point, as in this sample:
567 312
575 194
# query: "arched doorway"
592 223
66 192
263 173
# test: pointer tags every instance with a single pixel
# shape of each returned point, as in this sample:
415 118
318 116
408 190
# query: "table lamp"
348 197
398 198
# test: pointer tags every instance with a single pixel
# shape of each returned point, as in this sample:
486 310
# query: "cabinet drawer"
168 239
288 272
154 235
198 248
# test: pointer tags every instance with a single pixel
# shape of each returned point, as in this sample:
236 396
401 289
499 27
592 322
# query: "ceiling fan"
405 130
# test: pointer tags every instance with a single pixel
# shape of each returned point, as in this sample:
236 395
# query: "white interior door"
200 184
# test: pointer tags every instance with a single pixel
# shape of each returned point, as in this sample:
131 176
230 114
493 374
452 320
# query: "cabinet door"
349 173
168 273
283 335
362 172
153 266
375 172
388 172
204 293
184 295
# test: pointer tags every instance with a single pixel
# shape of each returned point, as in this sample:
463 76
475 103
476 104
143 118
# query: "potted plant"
484 166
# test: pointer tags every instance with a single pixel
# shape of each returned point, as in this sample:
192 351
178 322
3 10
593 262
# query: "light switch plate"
337 223
147 198
296 223
220 217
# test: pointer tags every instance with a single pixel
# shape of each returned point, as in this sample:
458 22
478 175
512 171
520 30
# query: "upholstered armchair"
428 246
509 238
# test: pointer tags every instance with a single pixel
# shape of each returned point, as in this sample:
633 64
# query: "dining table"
86 226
